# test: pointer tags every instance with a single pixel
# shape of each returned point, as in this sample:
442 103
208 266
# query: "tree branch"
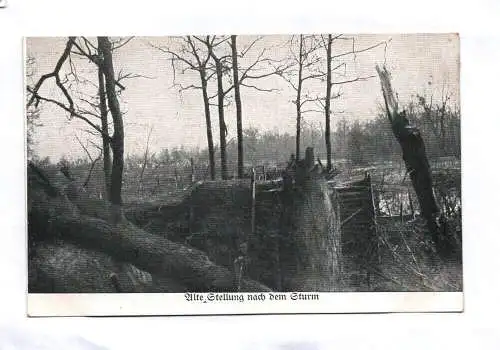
353 80
84 148
54 73
71 111
249 47
353 51
119 43
258 88
177 57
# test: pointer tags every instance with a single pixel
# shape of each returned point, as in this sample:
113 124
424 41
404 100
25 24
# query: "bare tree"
106 149
88 50
222 67
219 69
207 57
436 114
326 42
191 57
102 57
304 58
260 68
105 49
237 101
145 160
67 103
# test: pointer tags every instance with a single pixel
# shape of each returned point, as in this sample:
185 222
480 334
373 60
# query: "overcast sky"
423 64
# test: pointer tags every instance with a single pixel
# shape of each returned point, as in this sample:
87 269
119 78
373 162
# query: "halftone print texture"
303 164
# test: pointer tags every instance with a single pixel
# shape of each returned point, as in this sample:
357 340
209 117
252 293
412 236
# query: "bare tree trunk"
105 135
104 46
144 163
297 102
210 139
444 148
237 100
327 103
222 123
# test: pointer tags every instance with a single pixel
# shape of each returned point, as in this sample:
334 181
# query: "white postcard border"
295 303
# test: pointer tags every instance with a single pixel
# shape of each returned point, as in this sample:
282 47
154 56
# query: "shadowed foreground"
77 246
61 233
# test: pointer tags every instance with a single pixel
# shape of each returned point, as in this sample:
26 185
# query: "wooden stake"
253 202
192 170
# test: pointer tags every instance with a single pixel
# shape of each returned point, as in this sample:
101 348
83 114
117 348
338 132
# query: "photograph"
227 168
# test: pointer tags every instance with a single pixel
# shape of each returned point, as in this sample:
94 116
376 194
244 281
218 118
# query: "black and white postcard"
243 174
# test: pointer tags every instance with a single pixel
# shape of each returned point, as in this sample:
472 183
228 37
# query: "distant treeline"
354 142
357 142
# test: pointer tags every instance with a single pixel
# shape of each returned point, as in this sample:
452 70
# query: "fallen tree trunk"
62 267
53 217
152 253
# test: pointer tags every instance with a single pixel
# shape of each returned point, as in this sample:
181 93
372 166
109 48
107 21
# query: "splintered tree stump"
415 158
314 233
